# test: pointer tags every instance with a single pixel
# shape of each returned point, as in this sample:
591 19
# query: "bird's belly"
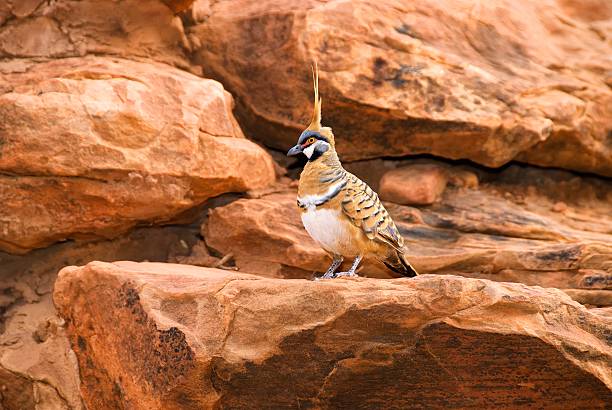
330 230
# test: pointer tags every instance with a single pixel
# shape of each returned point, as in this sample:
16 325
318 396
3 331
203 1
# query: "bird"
340 212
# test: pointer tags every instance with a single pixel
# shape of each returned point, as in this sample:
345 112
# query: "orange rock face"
159 336
487 81
57 29
99 145
414 185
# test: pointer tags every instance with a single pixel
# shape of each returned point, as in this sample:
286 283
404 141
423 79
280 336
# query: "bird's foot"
348 274
326 275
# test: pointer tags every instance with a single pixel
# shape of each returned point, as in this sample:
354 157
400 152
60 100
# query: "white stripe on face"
308 151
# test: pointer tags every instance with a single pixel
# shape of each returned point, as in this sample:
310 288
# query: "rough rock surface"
71 28
500 231
37 367
488 81
421 184
159 336
131 142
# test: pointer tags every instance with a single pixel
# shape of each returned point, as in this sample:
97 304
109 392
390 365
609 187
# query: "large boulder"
92 146
162 336
488 81
501 230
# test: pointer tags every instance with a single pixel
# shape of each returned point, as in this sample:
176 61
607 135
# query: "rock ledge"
151 335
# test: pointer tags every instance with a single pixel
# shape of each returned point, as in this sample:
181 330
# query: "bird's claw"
348 274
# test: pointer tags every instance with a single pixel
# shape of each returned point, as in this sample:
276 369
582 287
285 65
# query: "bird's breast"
330 229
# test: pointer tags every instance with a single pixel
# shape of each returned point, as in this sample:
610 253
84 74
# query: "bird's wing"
363 207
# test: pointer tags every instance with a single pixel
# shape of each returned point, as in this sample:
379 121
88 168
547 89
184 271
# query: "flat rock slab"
163 336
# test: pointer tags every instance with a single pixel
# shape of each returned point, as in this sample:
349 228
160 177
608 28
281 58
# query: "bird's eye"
311 140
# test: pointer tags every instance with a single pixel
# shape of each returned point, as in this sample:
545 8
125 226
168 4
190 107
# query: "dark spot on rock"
562 255
446 223
600 281
439 101
117 390
406 29
130 295
378 69
82 344
397 77
379 63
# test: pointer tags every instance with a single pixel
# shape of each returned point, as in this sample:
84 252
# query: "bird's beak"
294 151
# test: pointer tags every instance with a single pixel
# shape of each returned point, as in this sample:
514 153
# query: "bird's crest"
315 123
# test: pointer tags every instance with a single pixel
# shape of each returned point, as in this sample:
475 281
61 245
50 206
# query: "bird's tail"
398 263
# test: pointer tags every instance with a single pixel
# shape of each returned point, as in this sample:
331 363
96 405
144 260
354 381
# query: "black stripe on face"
318 151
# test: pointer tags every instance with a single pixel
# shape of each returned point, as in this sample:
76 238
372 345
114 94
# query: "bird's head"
315 140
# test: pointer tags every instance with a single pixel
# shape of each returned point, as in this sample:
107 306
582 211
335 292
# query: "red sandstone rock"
420 184
159 336
98 145
487 81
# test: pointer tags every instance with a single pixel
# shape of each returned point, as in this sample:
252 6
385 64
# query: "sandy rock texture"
498 229
488 81
72 28
101 144
201 338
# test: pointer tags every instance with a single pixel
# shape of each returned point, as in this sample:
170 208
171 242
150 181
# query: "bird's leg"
351 271
332 268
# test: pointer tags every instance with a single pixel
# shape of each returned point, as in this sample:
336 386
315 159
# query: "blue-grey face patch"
309 133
